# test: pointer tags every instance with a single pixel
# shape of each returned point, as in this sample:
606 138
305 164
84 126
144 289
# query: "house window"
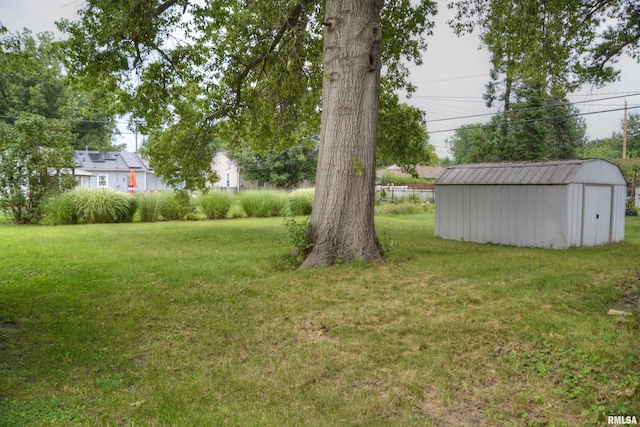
228 179
102 181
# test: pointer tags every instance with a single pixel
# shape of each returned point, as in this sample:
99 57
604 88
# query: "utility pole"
624 132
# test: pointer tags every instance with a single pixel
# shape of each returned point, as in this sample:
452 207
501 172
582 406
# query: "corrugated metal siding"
574 214
510 215
540 204
618 213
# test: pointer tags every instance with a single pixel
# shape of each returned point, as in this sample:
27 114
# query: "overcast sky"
449 84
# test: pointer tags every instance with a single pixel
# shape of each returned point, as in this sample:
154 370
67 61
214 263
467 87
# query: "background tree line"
42 120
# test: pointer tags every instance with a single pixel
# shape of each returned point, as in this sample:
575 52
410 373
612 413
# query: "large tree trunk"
342 225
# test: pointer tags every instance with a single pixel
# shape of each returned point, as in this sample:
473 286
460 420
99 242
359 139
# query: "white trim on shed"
552 204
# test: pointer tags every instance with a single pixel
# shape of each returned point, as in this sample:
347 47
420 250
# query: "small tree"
284 170
33 153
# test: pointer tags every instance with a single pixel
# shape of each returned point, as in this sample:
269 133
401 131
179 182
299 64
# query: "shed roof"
589 171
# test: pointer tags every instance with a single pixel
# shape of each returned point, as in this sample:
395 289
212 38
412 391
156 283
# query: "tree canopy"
34 152
33 81
286 169
250 73
539 127
559 44
611 147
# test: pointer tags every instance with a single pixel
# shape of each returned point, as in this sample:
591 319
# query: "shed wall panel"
574 214
618 213
555 217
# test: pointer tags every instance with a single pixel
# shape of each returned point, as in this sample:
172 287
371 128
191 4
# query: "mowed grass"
207 323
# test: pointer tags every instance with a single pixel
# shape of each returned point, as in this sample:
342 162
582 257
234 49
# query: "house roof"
592 171
109 161
423 171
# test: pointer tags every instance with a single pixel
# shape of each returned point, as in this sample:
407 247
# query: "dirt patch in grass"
464 412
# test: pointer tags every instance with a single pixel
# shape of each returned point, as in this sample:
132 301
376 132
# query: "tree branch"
292 19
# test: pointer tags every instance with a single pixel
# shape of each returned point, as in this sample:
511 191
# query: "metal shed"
550 204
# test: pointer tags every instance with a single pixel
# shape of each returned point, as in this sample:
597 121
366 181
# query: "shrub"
297 235
236 211
150 207
389 178
301 201
216 205
404 208
174 205
61 210
263 203
104 206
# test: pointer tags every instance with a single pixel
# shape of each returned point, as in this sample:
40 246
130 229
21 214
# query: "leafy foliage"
537 127
611 147
246 73
284 170
402 134
556 43
552 46
296 233
389 178
181 163
33 81
34 154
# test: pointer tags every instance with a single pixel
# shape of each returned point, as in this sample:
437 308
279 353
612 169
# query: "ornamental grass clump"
216 205
104 206
150 207
175 205
301 201
263 203
61 210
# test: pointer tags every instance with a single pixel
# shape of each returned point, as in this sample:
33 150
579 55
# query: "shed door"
596 215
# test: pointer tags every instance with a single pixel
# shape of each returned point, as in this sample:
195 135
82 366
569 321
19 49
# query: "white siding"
504 214
525 207
574 214
618 213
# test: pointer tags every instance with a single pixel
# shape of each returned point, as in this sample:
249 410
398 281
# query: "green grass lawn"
207 323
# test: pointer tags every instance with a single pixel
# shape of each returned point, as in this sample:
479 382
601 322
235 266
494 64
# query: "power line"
544 107
452 79
533 120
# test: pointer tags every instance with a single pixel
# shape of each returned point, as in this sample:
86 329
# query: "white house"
552 204
228 171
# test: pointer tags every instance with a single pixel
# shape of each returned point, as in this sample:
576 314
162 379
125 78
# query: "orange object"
132 181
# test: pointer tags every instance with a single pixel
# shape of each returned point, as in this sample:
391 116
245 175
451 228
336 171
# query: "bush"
174 205
61 210
236 211
104 206
150 207
216 205
404 208
301 201
263 203
389 178
297 235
